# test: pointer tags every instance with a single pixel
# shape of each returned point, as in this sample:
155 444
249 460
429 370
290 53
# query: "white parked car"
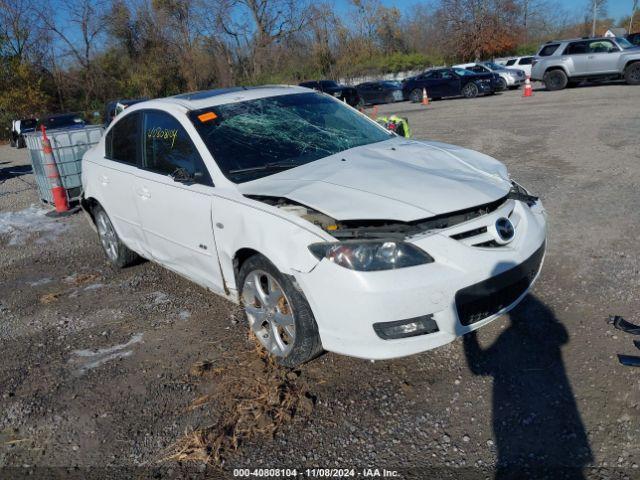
522 63
331 232
509 77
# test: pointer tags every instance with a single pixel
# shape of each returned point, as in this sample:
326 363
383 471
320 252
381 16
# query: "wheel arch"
631 62
556 67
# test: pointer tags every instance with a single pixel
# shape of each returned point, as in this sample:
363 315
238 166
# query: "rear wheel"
416 95
632 74
117 252
555 80
501 84
389 98
278 314
470 90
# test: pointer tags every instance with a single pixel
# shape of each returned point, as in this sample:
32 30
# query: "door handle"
144 193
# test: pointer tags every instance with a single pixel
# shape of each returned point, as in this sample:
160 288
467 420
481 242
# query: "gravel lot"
96 364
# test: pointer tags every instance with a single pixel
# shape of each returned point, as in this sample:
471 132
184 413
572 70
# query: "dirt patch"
253 398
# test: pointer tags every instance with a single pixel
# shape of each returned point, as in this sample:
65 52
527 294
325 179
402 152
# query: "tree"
597 8
480 28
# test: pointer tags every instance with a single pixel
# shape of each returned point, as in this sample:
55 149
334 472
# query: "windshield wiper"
266 166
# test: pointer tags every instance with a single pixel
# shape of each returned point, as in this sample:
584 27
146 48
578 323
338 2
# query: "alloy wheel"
107 235
269 312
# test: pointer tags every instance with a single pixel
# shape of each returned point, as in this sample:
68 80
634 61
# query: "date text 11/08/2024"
315 472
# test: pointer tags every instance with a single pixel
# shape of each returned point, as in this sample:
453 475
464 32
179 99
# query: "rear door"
116 176
603 57
451 84
576 54
176 215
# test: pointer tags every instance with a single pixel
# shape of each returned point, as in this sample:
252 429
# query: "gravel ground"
95 363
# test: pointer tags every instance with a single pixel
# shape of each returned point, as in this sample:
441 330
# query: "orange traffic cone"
425 98
51 169
528 90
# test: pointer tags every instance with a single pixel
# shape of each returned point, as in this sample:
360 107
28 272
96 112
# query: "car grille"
484 299
477 233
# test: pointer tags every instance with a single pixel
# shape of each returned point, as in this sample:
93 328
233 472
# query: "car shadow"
537 427
16 171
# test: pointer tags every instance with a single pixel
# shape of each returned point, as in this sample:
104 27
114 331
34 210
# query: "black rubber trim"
380 328
484 299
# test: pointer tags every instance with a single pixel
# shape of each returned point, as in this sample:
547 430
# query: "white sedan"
331 232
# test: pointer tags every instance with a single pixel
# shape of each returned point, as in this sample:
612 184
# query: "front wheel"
501 84
117 252
632 74
278 314
555 80
470 90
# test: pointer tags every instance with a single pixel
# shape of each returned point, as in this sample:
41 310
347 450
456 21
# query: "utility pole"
595 14
633 12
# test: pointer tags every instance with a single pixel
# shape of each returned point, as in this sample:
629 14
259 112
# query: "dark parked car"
114 107
384 91
19 128
634 38
449 82
341 92
61 120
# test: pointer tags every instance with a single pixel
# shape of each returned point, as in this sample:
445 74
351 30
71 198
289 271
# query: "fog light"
411 327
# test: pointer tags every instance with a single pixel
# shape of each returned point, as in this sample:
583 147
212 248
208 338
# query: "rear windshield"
548 50
511 62
256 138
62 121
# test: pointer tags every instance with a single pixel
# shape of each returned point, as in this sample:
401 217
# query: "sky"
615 8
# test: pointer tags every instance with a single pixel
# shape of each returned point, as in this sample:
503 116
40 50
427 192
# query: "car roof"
579 39
220 96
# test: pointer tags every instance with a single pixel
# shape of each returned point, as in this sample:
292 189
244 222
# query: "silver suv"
568 62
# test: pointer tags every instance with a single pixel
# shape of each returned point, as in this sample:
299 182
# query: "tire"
12 142
416 95
389 98
118 254
502 84
470 90
21 142
292 340
632 74
555 80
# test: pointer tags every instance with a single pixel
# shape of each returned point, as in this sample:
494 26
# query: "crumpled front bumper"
347 303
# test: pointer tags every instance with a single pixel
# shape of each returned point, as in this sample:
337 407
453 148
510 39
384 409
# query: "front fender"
239 225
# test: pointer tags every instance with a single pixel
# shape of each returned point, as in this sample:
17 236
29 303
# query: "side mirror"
182 175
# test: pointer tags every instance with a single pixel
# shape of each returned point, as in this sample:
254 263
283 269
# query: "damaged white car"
331 232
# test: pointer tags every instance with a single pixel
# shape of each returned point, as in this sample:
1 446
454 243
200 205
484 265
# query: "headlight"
371 255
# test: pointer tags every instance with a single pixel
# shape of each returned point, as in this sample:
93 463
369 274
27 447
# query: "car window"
447 75
548 50
631 40
602 46
121 143
512 61
525 61
478 69
576 48
430 75
167 147
260 137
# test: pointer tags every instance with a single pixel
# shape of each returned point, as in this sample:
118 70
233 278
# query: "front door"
174 196
603 57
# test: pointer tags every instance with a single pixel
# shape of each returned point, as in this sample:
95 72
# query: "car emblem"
504 230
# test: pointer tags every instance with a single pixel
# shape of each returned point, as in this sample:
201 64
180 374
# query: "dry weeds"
252 398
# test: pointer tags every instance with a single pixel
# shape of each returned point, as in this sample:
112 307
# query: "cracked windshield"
256 138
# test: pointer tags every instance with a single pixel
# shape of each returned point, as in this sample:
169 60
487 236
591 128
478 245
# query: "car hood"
398 179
